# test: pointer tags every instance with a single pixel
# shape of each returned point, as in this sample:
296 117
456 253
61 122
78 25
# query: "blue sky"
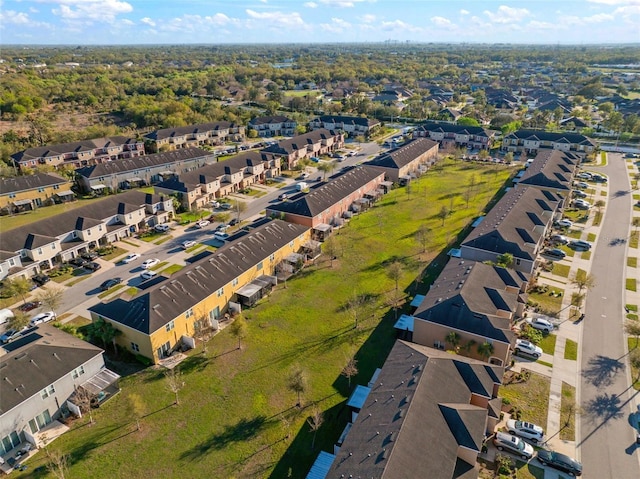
106 22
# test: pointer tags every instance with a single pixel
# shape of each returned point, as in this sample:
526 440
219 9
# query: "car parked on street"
10 335
29 305
527 348
526 430
579 244
131 257
542 324
283 196
226 206
513 444
202 223
555 253
584 175
150 263
110 283
560 461
221 236
149 274
42 318
233 222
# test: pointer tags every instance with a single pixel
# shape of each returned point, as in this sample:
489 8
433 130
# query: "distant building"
532 141
269 126
352 125
215 133
456 136
26 193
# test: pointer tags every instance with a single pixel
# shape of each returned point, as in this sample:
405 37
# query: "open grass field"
531 397
236 416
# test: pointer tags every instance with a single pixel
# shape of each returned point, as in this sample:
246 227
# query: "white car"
582 184
565 223
542 324
131 257
188 244
526 430
585 175
221 236
161 228
527 347
150 263
145 275
202 223
42 318
582 204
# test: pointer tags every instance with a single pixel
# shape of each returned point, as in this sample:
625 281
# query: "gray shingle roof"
151 309
190 129
574 138
286 147
348 120
51 355
459 129
266 120
467 296
513 224
420 399
76 146
551 169
405 154
30 182
328 194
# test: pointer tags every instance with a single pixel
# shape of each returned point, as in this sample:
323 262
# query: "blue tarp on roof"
477 221
404 323
358 397
321 466
417 300
455 253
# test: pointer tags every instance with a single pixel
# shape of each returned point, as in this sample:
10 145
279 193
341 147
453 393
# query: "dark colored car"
560 461
29 305
233 222
92 266
556 253
89 255
78 261
110 283
40 279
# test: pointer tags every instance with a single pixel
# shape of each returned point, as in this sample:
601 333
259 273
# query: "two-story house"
410 160
141 171
350 125
315 143
471 304
552 170
215 133
158 319
517 225
277 125
40 372
456 136
80 153
531 141
23 193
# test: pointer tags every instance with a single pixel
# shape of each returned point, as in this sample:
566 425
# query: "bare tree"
395 299
394 272
330 249
315 422
138 407
174 382
82 399
442 214
56 462
201 328
422 237
51 297
350 370
354 307
632 328
583 281
297 382
239 329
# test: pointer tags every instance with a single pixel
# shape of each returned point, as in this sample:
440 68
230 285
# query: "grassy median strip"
548 343
631 284
571 350
106 293
561 269
632 343
632 261
171 269
568 413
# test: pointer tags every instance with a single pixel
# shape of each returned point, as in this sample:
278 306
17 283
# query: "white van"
302 186
5 315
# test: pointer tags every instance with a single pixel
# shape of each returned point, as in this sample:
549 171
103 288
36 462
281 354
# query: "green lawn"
632 261
571 350
21 219
632 343
528 471
531 397
597 218
237 417
581 274
631 284
603 158
548 343
561 269
104 294
586 255
568 413
591 237
547 301
171 269
633 240
115 252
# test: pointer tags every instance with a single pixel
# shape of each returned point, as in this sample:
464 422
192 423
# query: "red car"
29 305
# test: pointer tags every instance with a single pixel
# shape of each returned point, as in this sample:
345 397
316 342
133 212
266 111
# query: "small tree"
599 205
51 297
350 370
354 307
19 321
505 260
394 272
632 328
174 382
315 422
453 339
82 399
297 382
422 237
583 280
138 407
330 249
485 349
56 462
634 360
442 214
239 329
18 287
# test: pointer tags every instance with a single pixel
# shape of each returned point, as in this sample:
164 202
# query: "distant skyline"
117 22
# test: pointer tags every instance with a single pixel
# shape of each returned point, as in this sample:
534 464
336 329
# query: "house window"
438 345
235 282
39 250
517 261
77 372
88 232
189 312
259 266
135 347
220 292
169 326
291 244
12 262
53 246
272 257
40 190
9 442
12 195
48 391
99 227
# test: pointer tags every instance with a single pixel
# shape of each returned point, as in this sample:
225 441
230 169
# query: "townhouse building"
315 143
530 142
469 305
270 126
552 170
26 193
40 373
141 171
517 225
198 187
410 160
215 133
350 125
41 245
162 317
80 153
456 136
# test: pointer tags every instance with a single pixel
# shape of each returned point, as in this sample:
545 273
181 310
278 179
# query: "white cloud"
401 26
13 17
536 25
341 3
277 19
441 21
148 21
368 18
464 12
310 5
98 10
574 21
506 14
628 10
337 25
263 1
479 22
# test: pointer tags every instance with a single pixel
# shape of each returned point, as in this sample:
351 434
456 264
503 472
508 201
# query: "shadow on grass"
601 370
196 362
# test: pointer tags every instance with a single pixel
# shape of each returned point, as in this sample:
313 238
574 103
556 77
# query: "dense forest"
61 94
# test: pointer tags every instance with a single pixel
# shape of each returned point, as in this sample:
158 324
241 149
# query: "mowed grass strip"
571 350
236 416
568 413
